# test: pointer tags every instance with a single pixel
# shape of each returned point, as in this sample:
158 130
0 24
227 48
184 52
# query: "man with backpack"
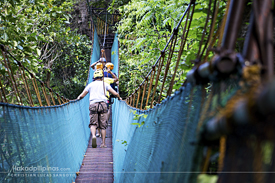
98 107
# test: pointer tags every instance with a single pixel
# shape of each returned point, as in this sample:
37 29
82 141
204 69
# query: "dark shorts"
98 115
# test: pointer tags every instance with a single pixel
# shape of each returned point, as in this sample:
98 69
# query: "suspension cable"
105 29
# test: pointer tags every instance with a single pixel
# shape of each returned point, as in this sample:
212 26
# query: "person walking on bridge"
98 107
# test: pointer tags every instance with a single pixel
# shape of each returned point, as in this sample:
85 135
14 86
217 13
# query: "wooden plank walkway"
97 165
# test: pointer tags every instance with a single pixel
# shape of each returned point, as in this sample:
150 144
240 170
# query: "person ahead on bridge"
98 107
111 75
109 81
101 60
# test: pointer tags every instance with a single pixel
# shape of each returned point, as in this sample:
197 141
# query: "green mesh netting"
165 147
161 149
44 144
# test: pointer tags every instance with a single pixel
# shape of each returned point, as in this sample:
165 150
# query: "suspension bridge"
219 122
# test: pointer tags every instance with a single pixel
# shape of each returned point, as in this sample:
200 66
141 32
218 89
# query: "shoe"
94 145
103 146
97 135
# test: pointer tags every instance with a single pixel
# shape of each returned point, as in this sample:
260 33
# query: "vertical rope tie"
206 160
11 78
51 94
130 97
58 98
25 83
150 86
44 93
157 78
63 100
12 74
222 153
171 51
183 41
223 23
3 92
134 99
204 29
138 96
143 94
36 89
213 22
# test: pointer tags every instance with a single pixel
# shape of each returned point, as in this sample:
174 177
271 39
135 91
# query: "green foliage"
70 71
138 117
37 33
144 30
122 142
204 178
25 24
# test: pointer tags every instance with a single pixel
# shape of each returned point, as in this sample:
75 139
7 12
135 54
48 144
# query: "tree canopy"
38 34
144 30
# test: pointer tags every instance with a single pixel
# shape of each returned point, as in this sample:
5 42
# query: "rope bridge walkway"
220 121
97 165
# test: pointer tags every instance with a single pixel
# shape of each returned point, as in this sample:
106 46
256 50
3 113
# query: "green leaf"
38 51
6 36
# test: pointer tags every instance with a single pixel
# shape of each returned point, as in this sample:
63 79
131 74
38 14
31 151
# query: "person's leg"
103 124
98 133
93 123
93 130
103 135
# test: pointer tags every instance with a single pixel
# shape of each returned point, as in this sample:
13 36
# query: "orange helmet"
99 66
110 66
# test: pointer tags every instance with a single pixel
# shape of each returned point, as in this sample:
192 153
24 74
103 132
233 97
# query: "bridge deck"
97 165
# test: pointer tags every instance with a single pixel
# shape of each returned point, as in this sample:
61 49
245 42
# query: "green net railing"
44 144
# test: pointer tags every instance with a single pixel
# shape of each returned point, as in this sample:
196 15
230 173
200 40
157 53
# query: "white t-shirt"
96 91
